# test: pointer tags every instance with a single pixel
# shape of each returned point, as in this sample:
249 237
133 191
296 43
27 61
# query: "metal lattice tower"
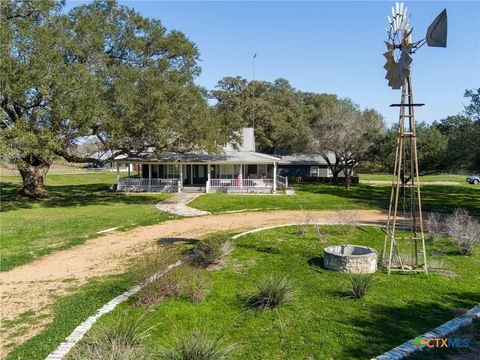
406 248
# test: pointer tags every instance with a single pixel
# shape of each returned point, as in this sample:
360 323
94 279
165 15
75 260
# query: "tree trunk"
33 171
347 180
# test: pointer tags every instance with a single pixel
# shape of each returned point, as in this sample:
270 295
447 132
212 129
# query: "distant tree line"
451 144
286 119
302 122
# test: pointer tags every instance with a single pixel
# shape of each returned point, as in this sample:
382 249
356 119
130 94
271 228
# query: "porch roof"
228 157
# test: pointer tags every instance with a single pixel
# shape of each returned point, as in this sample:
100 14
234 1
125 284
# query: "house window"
170 171
315 171
226 171
262 169
201 172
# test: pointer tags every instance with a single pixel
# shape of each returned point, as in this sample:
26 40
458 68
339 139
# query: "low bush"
434 226
164 287
271 291
121 341
195 285
464 230
360 284
198 346
212 249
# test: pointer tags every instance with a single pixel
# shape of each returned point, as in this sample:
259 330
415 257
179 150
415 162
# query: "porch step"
193 189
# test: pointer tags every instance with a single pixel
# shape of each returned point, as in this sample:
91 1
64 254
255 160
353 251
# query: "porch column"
274 177
208 178
180 180
118 173
191 174
241 176
149 177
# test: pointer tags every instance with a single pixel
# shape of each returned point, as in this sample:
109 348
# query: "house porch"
209 178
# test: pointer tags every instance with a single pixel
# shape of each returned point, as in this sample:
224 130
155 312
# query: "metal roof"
234 157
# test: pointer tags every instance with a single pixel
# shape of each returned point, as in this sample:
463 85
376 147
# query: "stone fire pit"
350 259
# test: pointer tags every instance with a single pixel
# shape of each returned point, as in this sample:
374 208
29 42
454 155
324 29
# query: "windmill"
406 249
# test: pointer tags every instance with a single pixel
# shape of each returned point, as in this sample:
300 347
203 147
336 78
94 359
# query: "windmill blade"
437 31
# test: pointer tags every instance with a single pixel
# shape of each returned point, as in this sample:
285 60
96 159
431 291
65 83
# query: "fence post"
286 182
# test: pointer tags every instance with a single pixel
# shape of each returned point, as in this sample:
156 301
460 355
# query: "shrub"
164 287
212 250
345 219
271 291
434 225
464 230
195 285
360 284
121 341
198 346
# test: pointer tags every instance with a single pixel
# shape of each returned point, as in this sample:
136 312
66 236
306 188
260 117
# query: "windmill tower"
406 248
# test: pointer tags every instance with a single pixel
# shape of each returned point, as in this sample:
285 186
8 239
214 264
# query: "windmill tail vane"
404 244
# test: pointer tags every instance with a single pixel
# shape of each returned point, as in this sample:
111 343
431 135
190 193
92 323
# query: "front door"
195 175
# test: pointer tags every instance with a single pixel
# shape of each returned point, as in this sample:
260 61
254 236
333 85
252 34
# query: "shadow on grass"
69 196
388 326
442 198
175 241
262 249
316 263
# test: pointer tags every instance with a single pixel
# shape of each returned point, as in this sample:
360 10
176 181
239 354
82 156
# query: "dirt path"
35 286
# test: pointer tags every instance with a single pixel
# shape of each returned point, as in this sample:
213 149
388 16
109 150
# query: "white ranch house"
236 170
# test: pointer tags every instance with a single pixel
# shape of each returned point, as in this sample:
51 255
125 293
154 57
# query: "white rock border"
79 332
441 331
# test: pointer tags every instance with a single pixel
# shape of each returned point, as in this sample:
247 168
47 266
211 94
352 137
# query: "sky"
331 47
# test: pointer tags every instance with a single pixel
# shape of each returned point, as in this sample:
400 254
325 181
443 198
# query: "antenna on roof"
253 91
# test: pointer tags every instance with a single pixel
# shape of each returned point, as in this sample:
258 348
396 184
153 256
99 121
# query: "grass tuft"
198 346
121 341
360 284
212 249
271 291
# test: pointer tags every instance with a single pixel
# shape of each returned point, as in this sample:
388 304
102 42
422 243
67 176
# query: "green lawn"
424 178
325 196
68 312
321 322
78 207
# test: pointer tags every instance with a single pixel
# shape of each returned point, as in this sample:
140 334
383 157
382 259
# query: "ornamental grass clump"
360 284
198 346
271 291
211 250
121 341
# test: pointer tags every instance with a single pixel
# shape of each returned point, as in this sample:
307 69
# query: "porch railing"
243 183
143 184
282 181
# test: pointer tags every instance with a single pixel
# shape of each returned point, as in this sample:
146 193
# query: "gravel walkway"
177 205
